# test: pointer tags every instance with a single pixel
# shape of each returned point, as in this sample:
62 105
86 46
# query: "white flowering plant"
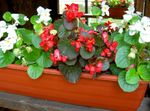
70 45
113 3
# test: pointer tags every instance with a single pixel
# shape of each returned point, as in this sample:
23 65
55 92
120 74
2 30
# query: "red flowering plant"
68 45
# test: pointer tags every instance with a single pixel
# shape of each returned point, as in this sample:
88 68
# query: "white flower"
132 53
25 18
144 36
130 10
127 17
145 21
6 45
135 28
121 30
16 18
44 15
2 28
105 9
113 26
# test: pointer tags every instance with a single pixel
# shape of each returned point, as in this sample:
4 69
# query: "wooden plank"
24 103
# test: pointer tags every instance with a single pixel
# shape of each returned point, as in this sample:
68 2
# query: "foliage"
72 46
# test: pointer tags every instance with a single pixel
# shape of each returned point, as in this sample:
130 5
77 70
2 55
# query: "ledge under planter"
103 92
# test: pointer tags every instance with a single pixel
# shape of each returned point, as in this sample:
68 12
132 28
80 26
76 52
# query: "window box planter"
103 92
117 12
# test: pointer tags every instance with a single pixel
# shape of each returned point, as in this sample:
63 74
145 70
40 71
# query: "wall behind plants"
27 7
139 6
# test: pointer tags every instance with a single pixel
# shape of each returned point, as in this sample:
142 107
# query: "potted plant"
116 8
103 56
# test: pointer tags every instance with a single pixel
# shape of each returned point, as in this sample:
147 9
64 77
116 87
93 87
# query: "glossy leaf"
96 11
6 58
44 60
35 71
132 77
71 73
124 85
7 16
85 54
122 59
67 49
144 72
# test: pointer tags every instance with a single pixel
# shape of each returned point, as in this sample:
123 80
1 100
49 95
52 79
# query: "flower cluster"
8 35
93 69
72 12
137 25
111 47
48 37
57 57
84 40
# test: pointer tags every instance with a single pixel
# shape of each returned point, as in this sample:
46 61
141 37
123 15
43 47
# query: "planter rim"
56 72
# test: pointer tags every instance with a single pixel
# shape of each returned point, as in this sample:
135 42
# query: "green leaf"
44 60
34 71
70 25
144 72
58 23
6 58
131 39
96 11
7 16
71 73
19 43
114 69
134 19
67 49
85 26
132 77
82 62
63 33
122 59
120 39
21 19
106 65
85 54
26 35
36 41
71 62
38 28
33 19
33 55
124 85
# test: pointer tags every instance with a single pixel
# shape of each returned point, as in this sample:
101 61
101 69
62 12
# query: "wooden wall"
139 6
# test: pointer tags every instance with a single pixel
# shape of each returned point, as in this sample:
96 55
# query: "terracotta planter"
102 92
117 12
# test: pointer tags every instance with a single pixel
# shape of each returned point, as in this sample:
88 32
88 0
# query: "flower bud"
29 49
24 62
17 52
131 55
53 32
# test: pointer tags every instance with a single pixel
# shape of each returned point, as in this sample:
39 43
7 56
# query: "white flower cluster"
8 42
105 8
44 15
8 36
141 26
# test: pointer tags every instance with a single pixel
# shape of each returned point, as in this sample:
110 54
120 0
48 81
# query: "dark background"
27 7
